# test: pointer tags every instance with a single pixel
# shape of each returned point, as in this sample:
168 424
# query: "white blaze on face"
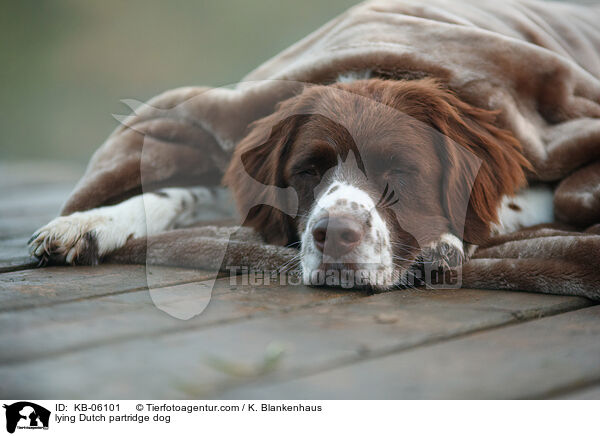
373 254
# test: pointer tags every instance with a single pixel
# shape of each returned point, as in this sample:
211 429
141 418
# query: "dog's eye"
405 169
308 172
401 174
398 171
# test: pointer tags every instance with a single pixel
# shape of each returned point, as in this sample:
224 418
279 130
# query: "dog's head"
387 173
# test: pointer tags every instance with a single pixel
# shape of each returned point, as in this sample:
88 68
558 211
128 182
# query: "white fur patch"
353 76
530 206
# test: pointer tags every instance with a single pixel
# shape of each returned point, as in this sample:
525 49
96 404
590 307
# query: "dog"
389 174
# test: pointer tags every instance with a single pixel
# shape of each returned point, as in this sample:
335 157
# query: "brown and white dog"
388 173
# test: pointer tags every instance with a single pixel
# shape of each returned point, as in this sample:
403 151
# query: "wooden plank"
31 195
528 360
25 200
14 255
201 362
17 264
11 227
586 393
49 286
13 248
53 330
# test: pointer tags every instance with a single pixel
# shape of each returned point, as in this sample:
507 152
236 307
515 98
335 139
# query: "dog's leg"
85 237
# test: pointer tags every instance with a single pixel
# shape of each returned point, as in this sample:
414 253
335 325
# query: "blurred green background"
65 64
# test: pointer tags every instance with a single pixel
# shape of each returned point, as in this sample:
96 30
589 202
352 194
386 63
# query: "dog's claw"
33 237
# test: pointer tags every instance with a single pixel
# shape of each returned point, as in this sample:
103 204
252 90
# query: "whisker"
294 258
383 195
394 202
286 266
414 262
390 196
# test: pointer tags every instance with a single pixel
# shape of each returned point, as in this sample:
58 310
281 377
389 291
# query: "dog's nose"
336 236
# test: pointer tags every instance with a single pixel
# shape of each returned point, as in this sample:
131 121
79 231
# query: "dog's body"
388 173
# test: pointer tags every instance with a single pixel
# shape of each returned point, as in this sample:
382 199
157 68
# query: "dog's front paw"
447 253
67 240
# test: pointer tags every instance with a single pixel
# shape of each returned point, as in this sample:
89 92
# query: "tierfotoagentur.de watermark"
425 275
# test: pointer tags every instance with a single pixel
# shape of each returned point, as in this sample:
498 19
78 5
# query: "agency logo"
26 415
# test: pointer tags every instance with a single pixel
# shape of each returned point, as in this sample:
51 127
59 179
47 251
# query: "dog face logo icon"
26 415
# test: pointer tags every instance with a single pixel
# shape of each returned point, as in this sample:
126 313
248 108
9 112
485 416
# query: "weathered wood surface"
130 315
585 393
96 333
53 285
531 360
312 339
14 255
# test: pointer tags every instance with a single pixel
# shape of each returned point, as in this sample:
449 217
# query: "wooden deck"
94 332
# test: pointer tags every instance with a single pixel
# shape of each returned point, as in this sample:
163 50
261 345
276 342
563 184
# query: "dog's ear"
481 161
262 155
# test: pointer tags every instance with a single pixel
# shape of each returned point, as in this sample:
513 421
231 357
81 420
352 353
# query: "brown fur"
426 101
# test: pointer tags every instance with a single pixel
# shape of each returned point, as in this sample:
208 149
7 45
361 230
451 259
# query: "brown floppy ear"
482 162
264 161
501 171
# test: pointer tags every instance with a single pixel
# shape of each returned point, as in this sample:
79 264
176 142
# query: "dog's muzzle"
344 232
